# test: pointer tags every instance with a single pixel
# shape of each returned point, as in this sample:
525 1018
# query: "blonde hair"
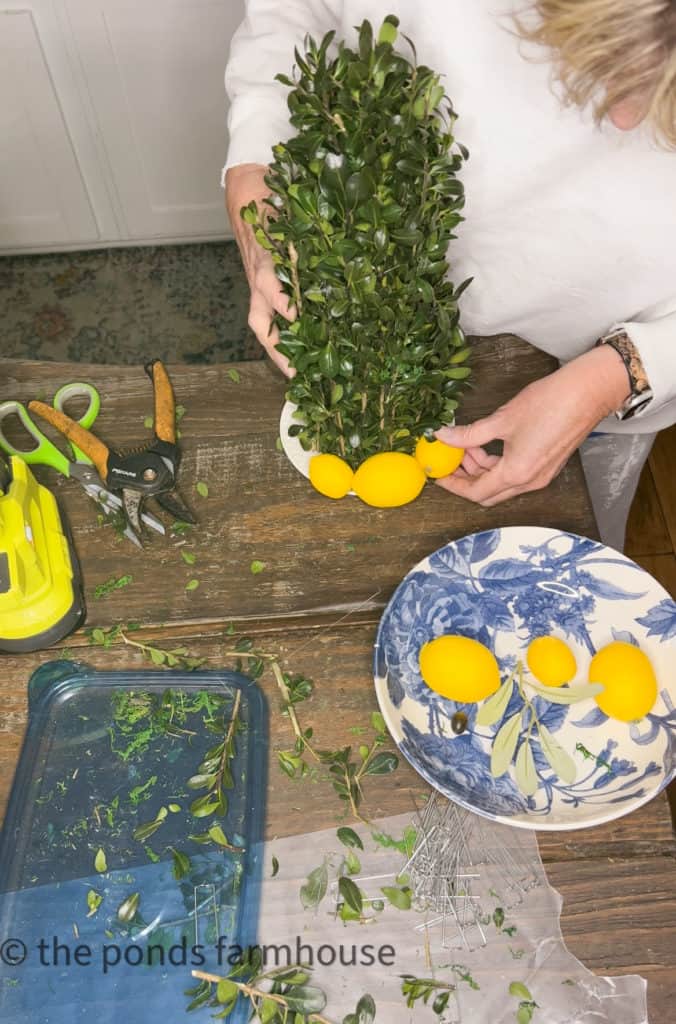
606 51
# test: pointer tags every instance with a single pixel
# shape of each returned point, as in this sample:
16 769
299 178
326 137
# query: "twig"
254 993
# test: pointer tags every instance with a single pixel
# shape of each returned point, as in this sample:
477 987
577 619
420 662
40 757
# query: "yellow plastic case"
41 599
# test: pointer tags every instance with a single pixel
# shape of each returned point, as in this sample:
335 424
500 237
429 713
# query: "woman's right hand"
242 184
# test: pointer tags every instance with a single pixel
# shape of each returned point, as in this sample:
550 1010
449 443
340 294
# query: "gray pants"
612 466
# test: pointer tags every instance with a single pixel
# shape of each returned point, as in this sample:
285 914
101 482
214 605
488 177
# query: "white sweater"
570 229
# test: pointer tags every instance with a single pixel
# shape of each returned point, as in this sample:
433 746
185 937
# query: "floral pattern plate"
503 588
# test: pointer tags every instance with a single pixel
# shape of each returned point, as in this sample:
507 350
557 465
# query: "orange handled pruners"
144 473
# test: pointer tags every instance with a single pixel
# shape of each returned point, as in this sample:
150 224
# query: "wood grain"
616 880
662 459
339 663
647 532
260 508
662 567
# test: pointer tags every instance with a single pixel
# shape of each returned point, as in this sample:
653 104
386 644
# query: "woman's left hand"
541 427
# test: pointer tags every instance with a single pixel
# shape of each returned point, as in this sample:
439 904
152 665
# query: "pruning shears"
148 472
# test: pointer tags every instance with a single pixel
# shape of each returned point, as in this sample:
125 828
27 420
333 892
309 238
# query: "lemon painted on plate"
551 660
459 668
331 475
438 459
388 480
628 679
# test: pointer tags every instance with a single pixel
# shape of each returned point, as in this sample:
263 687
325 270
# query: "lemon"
628 678
551 661
438 459
388 479
331 475
459 668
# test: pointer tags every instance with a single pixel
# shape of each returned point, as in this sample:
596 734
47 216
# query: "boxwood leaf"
314 890
351 894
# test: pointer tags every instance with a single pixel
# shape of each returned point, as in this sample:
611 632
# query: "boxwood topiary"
365 199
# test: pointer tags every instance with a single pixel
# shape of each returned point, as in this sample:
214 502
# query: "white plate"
503 588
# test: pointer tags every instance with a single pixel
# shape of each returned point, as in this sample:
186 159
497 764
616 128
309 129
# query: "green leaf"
504 745
127 910
94 901
192 584
181 864
524 1013
275 867
305 999
201 781
561 762
188 557
218 835
256 567
378 722
143 832
226 991
352 863
382 764
203 806
100 863
519 991
525 771
351 894
388 30
234 377
498 917
494 707
202 489
348 837
314 889
365 1012
399 898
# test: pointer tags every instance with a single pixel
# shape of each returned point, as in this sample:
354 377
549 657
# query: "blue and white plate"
503 588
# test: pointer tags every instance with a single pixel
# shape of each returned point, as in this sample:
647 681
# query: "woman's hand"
242 184
541 427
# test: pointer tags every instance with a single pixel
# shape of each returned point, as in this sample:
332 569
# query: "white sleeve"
653 332
261 48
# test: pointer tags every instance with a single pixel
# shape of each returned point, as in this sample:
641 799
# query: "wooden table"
330 567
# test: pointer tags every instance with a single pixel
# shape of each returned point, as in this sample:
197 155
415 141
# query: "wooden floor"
651 532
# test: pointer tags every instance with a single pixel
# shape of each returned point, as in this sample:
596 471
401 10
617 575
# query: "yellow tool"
41 599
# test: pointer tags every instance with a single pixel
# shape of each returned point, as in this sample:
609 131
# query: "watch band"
641 392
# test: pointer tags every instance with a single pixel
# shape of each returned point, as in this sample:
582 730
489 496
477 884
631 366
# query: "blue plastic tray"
78 789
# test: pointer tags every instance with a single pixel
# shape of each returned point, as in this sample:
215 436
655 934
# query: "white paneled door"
43 198
154 72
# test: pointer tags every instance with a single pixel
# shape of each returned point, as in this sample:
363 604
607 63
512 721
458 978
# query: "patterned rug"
180 303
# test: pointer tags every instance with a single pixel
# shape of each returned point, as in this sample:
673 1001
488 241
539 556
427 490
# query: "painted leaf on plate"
561 762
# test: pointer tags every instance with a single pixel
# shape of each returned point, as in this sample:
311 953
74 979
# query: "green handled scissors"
44 453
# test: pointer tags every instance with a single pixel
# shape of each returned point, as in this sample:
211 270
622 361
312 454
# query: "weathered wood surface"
320 555
339 663
616 880
619 913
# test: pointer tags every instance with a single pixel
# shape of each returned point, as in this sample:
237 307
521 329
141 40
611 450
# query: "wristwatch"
641 392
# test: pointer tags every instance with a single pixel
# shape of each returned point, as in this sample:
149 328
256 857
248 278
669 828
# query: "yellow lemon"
438 459
331 475
551 660
628 678
388 479
459 668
